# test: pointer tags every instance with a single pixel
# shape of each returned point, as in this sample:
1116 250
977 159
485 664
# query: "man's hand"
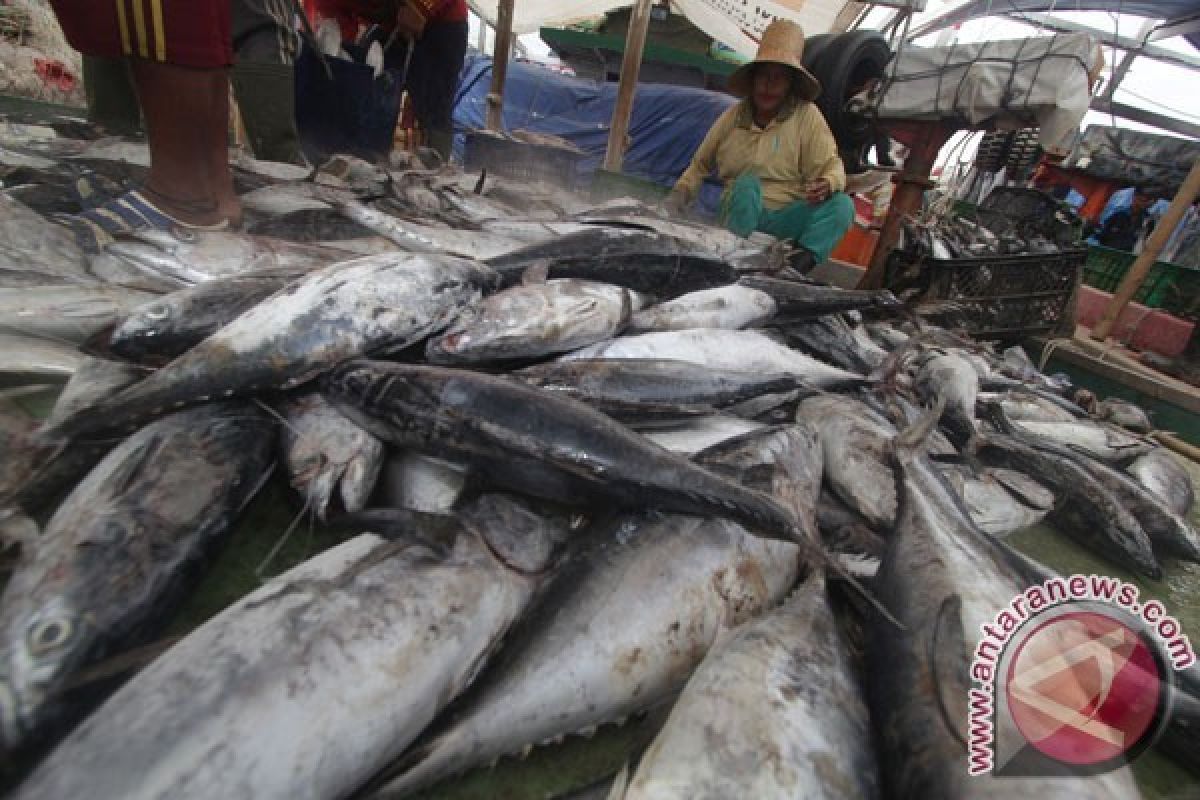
817 191
410 22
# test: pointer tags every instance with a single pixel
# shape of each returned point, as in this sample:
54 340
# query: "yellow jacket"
796 147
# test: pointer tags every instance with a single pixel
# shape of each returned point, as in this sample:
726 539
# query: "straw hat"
782 43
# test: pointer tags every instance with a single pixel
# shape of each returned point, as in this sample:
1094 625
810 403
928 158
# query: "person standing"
265 43
178 55
437 32
775 153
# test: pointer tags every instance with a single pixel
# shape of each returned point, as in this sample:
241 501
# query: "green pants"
816 228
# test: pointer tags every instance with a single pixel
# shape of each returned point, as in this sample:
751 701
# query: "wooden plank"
1136 276
500 54
635 42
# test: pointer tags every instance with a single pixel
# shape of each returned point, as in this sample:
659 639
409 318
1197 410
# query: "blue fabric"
665 128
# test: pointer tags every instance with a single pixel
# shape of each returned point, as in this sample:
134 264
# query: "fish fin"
947 646
620 783
134 466
479 183
536 273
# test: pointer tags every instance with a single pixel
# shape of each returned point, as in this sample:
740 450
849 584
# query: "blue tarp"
666 126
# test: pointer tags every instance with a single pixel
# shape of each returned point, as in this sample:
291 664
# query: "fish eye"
48 635
159 311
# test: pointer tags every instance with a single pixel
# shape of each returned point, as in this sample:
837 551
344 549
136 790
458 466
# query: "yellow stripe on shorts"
160 33
139 22
123 23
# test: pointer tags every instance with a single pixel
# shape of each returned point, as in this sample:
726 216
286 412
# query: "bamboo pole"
1141 266
635 42
500 53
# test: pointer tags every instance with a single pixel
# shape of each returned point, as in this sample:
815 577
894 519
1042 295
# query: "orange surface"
856 246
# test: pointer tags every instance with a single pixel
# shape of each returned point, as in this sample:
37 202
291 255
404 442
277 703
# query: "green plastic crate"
1105 267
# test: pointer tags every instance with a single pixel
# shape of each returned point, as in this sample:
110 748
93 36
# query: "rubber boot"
442 142
267 102
111 100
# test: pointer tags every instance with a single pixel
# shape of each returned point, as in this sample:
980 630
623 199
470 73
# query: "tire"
843 66
814 47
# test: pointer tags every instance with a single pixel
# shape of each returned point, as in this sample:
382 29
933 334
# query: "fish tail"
912 438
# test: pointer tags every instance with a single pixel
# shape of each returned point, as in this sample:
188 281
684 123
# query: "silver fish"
620 629
952 377
420 483
66 313
370 681
729 307
202 255
531 441
326 453
773 711
1163 474
1099 440
28 359
119 554
734 350
700 433
375 304
855 442
944 578
993 506
32 246
533 321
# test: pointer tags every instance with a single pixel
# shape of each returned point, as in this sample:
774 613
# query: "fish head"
139 332
382 388
45 643
519 536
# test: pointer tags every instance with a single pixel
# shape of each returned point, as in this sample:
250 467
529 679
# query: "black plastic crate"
520 160
996 296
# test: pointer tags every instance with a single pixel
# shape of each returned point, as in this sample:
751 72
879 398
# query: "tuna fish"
529 322
294 691
529 440
31 359
619 630
120 553
1162 474
726 350
1085 510
638 260
1099 440
855 442
944 579
630 389
953 378
169 326
203 256
66 313
995 508
326 453
35 251
375 304
729 307
773 711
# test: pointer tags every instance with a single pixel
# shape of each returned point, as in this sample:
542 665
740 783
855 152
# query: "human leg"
742 207
189 157
111 101
817 228
264 79
432 81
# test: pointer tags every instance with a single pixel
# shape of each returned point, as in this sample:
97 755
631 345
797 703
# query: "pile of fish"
592 461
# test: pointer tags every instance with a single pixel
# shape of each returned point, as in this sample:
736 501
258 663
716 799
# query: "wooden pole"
1141 266
500 53
635 42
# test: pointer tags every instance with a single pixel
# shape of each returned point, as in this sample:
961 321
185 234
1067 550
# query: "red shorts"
187 33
